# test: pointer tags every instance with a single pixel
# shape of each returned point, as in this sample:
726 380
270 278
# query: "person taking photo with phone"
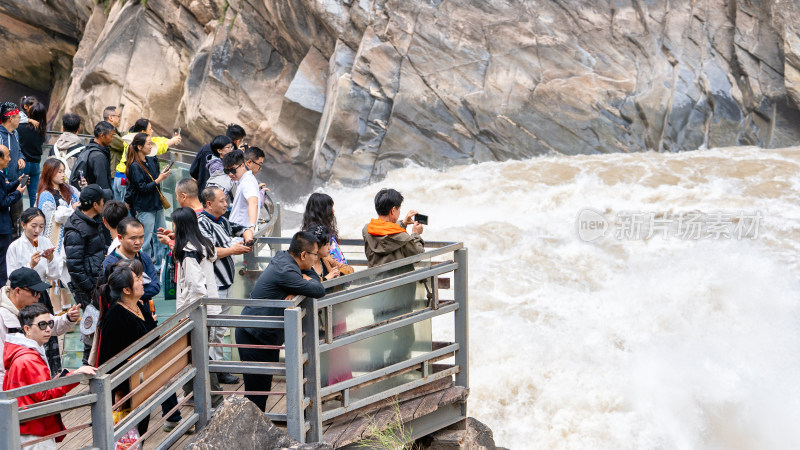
35 251
160 145
10 194
25 364
143 194
386 238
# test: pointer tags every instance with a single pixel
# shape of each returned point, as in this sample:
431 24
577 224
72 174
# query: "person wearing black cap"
85 246
24 289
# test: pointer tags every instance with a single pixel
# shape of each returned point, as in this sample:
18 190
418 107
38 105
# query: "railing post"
310 341
9 423
295 419
102 419
460 278
276 229
199 341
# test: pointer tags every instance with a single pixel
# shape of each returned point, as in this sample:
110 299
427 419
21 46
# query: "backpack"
79 169
67 157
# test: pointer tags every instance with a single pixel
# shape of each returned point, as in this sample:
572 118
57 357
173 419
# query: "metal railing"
307 402
312 342
189 323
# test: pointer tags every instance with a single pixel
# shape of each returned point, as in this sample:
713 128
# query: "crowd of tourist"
94 240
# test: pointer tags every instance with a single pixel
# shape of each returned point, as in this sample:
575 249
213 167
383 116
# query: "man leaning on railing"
281 279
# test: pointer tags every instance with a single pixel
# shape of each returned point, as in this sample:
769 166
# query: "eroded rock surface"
347 90
238 424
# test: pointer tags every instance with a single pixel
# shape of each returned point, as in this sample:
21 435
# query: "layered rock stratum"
347 90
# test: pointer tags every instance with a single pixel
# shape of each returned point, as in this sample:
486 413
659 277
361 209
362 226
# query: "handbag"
164 202
169 283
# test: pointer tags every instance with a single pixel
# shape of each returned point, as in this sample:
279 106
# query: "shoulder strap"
75 151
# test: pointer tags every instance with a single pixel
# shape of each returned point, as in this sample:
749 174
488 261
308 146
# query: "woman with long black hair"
195 255
31 138
123 317
143 194
319 219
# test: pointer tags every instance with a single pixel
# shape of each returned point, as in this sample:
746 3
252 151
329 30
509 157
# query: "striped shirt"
221 232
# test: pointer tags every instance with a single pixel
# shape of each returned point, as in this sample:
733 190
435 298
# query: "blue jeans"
152 220
33 170
119 189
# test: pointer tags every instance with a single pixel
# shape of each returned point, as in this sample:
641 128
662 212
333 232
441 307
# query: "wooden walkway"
342 431
83 438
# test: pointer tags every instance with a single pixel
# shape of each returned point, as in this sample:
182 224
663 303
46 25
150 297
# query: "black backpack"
79 169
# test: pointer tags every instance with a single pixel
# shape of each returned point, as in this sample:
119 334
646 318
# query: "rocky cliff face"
348 89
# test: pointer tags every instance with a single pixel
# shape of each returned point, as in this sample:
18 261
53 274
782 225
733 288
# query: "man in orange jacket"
386 238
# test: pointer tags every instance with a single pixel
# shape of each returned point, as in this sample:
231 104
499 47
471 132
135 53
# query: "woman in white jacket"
194 259
194 255
34 250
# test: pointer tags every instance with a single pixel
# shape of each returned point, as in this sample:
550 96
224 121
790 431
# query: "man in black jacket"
99 161
84 243
85 246
280 279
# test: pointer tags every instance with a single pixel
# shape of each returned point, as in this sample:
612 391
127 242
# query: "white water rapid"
621 343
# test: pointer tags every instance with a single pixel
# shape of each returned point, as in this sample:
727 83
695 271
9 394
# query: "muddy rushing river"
623 301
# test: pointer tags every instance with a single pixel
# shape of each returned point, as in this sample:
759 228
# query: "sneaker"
227 378
169 426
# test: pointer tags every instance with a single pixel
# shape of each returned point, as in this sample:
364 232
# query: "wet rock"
238 424
468 435
346 90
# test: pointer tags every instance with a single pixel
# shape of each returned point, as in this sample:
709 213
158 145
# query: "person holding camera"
386 238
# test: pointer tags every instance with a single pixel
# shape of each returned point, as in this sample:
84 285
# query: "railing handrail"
303 348
147 339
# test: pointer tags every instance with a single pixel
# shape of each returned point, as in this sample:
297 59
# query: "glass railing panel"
382 350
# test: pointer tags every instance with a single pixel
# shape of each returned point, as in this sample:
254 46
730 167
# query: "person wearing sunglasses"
249 196
26 364
25 289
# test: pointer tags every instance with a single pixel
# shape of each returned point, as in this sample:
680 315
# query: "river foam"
643 343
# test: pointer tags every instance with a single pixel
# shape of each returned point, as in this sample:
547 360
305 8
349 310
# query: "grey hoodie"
67 141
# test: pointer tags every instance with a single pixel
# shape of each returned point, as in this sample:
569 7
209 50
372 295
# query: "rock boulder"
347 90
238 424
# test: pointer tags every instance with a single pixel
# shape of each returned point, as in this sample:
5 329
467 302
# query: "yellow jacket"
159 148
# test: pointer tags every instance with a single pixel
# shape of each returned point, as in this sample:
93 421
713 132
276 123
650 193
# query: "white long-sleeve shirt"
19 255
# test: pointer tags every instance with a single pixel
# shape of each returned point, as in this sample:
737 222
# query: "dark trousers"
16 213
168 404
5 241
259 382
